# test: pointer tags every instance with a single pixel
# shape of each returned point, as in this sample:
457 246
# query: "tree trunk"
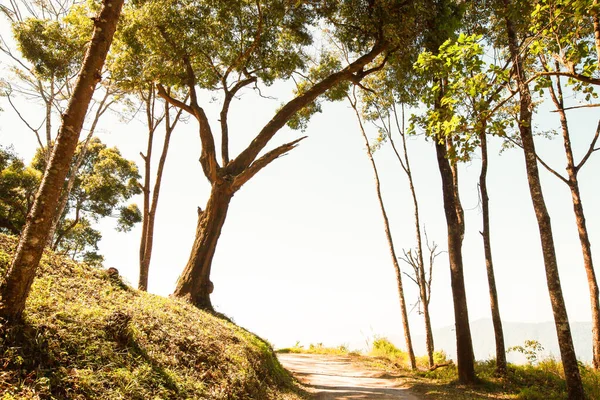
145 261
194 284
596 22
388 235
586 249
421 279
464 345
148 234
487 247
561 319
15 288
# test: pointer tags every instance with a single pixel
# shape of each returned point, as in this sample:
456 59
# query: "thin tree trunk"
561 319
15 288
148 236
194 284
501 367
464 345
422 281
586 249
388 235
145 265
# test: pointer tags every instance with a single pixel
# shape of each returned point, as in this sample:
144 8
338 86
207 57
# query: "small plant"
531 350
382 347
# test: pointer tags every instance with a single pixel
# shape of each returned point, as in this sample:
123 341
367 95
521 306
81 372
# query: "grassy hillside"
88 335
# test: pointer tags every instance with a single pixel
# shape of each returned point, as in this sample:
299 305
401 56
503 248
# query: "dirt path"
336 377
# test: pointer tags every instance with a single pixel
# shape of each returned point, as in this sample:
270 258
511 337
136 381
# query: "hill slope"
88 335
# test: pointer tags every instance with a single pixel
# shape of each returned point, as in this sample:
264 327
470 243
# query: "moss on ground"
87 335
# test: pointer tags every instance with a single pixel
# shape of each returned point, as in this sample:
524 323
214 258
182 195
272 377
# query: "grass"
87 335
317 349
542 381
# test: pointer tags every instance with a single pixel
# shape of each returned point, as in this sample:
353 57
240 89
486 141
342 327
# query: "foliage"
18 185
87 335
467 88
531 349
54 48
318 348
382 347
104 182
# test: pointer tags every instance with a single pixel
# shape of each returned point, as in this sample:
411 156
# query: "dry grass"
87 335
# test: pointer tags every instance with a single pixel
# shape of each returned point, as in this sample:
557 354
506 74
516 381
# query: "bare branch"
590 150
576 107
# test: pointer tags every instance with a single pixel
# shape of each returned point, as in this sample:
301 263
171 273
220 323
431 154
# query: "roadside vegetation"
537 380
87 334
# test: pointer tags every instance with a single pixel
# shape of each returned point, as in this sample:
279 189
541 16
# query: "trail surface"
336 377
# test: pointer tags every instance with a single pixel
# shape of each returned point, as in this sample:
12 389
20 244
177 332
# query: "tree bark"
194 284
464 346
388 235
586 248
16 286
501 367
561 319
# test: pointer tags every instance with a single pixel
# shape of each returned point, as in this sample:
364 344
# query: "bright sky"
303 255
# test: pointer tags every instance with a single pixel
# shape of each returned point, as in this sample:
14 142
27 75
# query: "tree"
151 203
556 47
472 96
15 287
440 125
353 99
126 67
263 41
556 94
508 13
380 108
104 182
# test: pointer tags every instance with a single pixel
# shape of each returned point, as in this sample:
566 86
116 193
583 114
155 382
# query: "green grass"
542 381
317 349
86 335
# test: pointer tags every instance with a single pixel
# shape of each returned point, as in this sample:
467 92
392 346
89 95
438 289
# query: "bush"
382 347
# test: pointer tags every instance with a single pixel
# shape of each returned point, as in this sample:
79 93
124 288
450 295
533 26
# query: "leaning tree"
226 46
15 287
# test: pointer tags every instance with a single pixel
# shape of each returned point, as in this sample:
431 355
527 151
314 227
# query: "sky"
303 255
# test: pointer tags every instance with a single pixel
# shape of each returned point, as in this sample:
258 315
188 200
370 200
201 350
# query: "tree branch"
263 162
229 94
247 156
173 101
590 150
576 107
573 75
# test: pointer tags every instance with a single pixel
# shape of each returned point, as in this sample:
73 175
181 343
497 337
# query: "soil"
337 377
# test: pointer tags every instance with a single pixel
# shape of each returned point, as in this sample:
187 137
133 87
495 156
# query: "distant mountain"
515 333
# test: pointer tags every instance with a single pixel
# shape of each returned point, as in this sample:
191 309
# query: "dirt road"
336 377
